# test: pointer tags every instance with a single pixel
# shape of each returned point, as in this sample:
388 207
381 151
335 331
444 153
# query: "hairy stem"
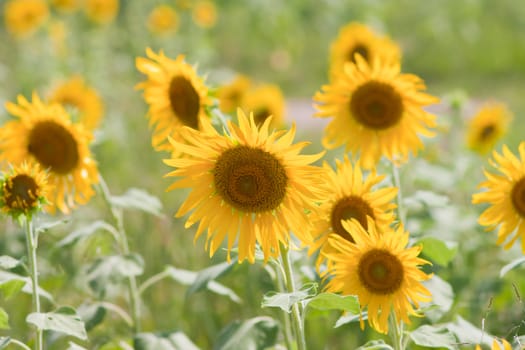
33 272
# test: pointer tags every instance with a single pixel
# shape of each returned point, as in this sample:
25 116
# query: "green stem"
152 280
296 311
397 182
33 272
396 332
19 343
288 337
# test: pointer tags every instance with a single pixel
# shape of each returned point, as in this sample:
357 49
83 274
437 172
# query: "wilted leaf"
285 301
86 231
114 269
257 333
207 275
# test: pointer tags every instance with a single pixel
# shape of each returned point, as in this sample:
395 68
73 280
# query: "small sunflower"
176 96
65 5
497 346
265 100
377 111
75 93
380 270
231 95
24 17
204 14
101 11
163 20
356 38
253 186
351 196
44 134
487 127
23 190
506 196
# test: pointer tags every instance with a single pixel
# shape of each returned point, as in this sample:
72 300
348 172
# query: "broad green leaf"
331 301
135 198
442 298
207 275
12 287
466 332
285 301
92 315
7 262
64 320
375 345
438 251
4 319
4 341
73 346
163 341
87 231
511 265
113 269
434 337
257 333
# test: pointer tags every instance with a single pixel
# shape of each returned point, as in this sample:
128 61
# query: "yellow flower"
252 186
380 270
231 95
496 345
204 14
101 11
265 100
351 196
506 196
66 5
75 93
44 134
356 38
176 96
23 190
163 20
377 111
24 17
487 127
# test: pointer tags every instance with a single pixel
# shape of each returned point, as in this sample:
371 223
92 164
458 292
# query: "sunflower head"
163 20
204 14
265 100
379 269
101 11
24 17
65 5
231 95
487 127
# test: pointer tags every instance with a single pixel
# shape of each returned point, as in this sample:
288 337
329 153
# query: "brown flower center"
351 207
358 49
54 147
380 272
185 101
250 179
487 132
517 196
20 192
376 105
260 115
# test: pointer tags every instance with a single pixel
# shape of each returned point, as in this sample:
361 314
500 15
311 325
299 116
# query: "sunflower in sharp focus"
23 190
498 345
163 20
252 186
487 127
380 270
356 38
506 195
44 134
101 11
176 96
265 100
231 95
351 196
204 14
377 111
84 99
24 17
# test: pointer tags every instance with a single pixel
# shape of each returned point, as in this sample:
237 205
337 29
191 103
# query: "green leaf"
375 345
511 265
467 333
4 319
87 231
438 251
113 269
425 199
4 341
73 346
207 275
7 262
350 318
135 198
64 320
442 298
92 315
434 337
46 226
163 341
12 287
331 301
285 301
257 333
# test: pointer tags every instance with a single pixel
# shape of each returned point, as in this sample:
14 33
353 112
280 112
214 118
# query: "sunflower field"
262 175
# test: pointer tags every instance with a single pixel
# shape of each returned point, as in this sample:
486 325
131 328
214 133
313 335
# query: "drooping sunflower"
377 111
162 20
252 186
176 96
231 95
23 190
487 127
44 134
265 100
356 38
204 14
24 17
76 94
101 11
351 196
380 270
506 195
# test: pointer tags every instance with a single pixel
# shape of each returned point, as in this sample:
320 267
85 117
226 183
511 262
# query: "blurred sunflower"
176 96
253 186
487 127
101 11
496 345
356 38
231 95
75 93
506 195
265 100
377 111
24 17
204 14
380 270
65 5
23 190
163 20
351 196
45 134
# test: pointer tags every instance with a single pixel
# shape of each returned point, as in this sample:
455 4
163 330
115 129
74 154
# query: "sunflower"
65 5
487 127
45 134
377 111
356 38
162 20
24 17
231 95
23 190
379 269
101 11
75 93
496 345
176 96
253 185
506 196
265 100
351 196
204 14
